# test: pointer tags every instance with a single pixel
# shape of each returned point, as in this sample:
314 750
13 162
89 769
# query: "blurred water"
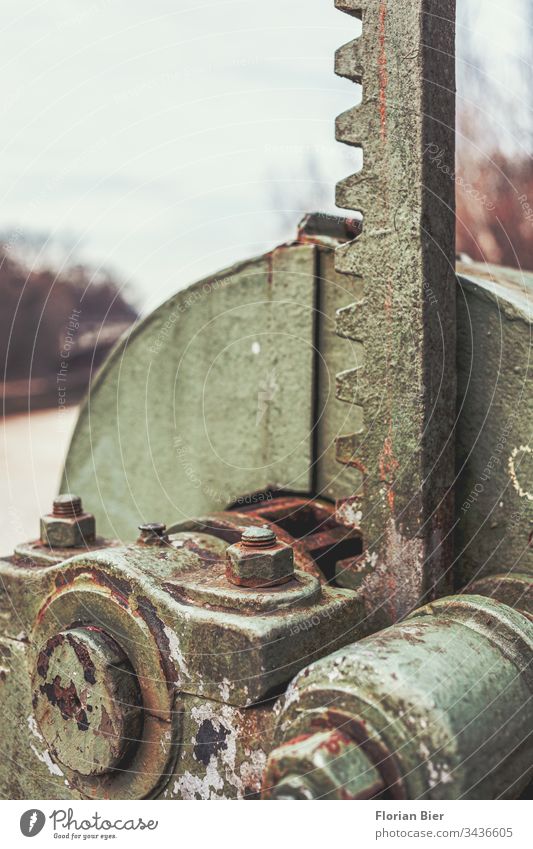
32 452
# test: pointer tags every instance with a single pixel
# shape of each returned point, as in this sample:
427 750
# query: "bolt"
291 788
259 559
153 533
87 700
324 765
67 526
67 505
254 537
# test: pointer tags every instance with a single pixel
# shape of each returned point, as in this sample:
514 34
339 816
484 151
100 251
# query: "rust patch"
355 729
388 466
43 660
84 658
120 588
207 556
335 743
67 700
157 629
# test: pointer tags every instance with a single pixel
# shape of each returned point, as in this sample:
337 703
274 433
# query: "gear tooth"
346 259
348 127
406 54
358 191
349 323
348 61
345 194
359 127
346 448
348 386
355 8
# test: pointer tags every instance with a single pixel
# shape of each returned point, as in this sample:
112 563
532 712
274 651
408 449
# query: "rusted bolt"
67 526
153 533
325 765
292 788
259 560
262 537
67 505
86 700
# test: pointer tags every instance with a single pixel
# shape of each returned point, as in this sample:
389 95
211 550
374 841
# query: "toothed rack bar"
405 125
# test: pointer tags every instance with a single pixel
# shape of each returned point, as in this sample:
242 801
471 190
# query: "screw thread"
67 505
262 537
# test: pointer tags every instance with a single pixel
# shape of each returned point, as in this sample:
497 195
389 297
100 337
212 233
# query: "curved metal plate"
207 399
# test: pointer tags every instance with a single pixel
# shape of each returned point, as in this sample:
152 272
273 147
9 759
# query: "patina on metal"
494 494
153 533
323 765
439 706
68 526
259 560
182 663
86 699
512 588
151 669
244 324
403 393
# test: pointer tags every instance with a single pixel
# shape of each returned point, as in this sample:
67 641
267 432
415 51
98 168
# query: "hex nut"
259 567
68 531
153 533
324 765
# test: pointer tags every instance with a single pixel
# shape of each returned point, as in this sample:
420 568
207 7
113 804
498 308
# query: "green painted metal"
493 406
254 346
224 395
251 564
440 704
224 752
170 623
27 770
495 409
325 765
86 700
197 407
68 526
405 319
512 588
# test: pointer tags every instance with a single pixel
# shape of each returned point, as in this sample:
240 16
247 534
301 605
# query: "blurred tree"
40 308
495 135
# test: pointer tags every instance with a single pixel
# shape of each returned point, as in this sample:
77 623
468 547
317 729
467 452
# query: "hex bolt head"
293 788
259 560
153 533
67 526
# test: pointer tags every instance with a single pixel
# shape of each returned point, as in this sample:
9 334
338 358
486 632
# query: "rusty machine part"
152 673
276 482
403 392
437 707
494 450
382 320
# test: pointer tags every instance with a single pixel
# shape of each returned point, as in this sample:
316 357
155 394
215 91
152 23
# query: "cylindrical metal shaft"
438 706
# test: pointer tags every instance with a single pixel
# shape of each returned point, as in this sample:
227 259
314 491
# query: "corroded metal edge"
405 127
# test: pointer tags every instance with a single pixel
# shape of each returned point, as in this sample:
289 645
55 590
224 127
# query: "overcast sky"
172 137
